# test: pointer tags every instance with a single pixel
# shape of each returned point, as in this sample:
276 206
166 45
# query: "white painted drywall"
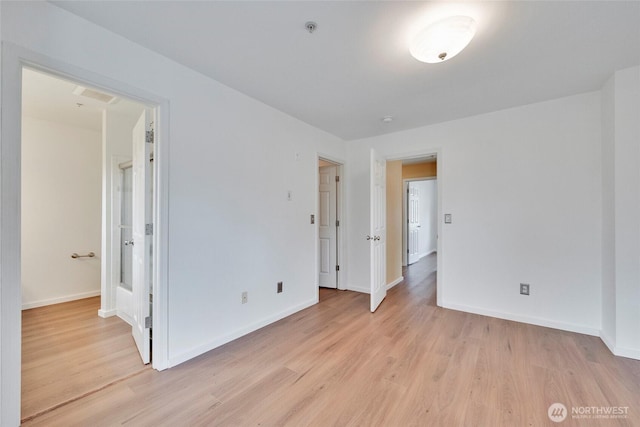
621 213
61 177
524 188
231 162
627 213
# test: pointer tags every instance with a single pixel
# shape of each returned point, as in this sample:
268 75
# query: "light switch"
313 219
447 218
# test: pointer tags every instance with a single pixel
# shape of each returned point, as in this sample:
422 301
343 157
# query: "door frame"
341 234
112 253
405 231
14 59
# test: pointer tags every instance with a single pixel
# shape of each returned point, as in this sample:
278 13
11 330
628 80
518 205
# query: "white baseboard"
107 313
571 327
197 351
619 351
124 316
357 288
58 300
395 282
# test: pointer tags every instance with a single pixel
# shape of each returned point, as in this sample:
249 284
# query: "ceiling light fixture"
443 39
387 119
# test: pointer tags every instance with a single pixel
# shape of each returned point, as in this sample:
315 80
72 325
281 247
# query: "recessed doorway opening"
412 219
71 233
328 220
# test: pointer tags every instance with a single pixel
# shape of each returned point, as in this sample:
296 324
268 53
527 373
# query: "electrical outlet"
524 289
245 297
279 287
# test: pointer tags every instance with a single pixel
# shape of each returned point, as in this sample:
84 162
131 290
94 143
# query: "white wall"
231 161
627 213
621 213
524 188
60 212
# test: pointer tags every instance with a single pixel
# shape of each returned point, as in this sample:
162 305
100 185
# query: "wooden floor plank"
409 364
69 351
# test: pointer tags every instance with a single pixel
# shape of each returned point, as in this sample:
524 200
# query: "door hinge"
337 223
148 229
147 322
337 178
337 268
149 136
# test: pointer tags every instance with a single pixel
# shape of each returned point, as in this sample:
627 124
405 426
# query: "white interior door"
378 236
413 222
141 253
327 229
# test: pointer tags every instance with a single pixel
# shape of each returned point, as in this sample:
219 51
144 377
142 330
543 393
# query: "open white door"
327 229
413 223
141 241
378 236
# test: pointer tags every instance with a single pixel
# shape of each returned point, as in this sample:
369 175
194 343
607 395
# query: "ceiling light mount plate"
387 119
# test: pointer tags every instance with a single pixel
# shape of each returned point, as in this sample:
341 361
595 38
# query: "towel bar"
89 255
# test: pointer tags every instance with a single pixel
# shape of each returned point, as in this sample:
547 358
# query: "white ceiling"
356 68
50 98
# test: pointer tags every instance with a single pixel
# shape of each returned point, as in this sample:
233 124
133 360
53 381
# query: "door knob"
128 242
376 238
369 237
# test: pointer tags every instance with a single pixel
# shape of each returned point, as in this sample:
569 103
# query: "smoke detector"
95 94
310 26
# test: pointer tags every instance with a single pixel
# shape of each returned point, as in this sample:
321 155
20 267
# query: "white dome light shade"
443 39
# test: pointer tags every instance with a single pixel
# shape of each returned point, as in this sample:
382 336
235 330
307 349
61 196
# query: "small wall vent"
94 94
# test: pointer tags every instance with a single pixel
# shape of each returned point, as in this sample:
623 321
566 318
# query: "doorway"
420 215
412 218
70 134
328 222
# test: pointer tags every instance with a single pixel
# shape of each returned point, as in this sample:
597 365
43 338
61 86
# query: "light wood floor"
409 364
68 352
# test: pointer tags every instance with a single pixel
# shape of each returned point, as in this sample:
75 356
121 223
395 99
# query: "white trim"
364 290
571 327
10 290
108 313
196 351
58 300
395 282
631 353
124 316
110 232
14 58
